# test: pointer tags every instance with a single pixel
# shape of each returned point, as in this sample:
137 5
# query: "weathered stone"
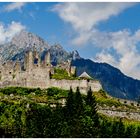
37 75
121 114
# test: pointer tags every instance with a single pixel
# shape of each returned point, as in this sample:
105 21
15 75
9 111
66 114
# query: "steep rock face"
20 44
28 41
58 54
112 79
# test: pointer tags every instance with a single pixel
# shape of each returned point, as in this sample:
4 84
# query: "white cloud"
14 6
125 44
84 18
8 32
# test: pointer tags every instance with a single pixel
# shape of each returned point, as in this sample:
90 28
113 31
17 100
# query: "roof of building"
85 75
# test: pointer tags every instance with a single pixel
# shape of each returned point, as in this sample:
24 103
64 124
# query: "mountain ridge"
113 80
20 43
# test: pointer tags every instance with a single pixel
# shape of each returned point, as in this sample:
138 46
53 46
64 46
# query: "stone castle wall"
34 82
82 84
38 75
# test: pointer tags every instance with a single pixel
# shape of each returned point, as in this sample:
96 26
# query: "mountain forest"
36 113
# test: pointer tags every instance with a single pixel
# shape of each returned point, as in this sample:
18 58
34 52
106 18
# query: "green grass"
19 94
19 90
60 74
103 98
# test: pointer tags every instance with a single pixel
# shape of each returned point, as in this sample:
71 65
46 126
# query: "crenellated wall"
38 75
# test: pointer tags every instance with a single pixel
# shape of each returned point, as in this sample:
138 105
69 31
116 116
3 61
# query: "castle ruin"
36 74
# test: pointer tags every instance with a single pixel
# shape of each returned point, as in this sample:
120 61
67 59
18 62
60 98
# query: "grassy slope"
103 99
52 95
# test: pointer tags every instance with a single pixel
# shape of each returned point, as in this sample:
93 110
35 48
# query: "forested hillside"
30 113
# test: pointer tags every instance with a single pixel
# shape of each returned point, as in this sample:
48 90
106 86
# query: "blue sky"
103 32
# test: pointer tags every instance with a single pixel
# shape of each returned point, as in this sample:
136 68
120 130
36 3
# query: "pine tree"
118 129
130 131
105 129
78 103
138 132
91 101
70 103
121 129
76 106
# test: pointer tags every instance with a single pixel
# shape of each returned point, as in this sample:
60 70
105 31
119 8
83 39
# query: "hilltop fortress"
36 73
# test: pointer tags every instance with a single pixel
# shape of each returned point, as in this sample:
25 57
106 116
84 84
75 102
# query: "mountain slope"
112 79
20 44
16 48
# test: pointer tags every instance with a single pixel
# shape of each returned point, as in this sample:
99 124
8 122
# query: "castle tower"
28 61
47 59
17 66
69 67
36 58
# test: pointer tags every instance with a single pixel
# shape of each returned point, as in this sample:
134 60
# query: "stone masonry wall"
38 76
82 84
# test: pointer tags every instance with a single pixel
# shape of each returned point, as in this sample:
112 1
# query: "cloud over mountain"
117 48
9 31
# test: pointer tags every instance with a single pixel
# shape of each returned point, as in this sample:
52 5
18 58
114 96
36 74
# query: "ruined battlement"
36 73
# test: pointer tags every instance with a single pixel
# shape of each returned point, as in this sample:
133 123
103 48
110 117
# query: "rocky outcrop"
25 41
120 114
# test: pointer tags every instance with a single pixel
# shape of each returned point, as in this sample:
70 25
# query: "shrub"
19 90
125 102
53 91
62 74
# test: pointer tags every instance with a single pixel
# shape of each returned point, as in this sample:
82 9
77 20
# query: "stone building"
36 73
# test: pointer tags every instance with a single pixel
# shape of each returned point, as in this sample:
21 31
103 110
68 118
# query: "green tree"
138 132
74 121
70 103
105 129
130 131
118 129
78 103
91 101
121 129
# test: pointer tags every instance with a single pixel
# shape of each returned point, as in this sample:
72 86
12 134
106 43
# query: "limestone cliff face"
24 41
20 44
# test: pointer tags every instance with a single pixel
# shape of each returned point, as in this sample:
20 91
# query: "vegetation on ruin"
60 74
26 112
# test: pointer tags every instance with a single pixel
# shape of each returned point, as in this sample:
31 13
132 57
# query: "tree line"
77 119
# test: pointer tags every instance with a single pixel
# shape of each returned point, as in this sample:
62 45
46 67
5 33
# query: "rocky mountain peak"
28 41
57 46
75 55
